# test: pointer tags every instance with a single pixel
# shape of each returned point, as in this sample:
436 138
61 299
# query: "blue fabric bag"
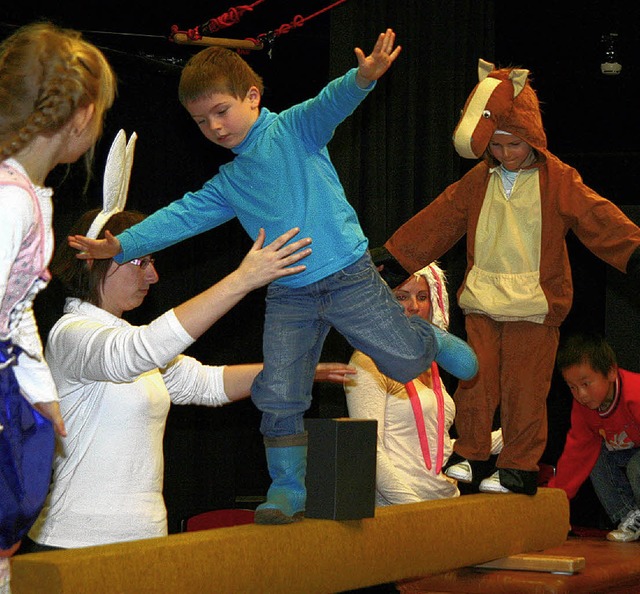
26 454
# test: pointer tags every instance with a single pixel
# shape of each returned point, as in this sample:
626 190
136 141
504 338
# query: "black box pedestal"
341 468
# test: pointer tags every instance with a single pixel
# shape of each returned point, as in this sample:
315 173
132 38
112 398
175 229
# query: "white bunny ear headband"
115 187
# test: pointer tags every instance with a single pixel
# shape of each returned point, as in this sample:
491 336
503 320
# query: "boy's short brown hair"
217 70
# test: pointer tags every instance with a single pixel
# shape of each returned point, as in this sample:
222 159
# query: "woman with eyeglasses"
116 382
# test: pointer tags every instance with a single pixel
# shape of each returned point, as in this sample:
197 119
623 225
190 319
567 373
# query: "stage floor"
610 567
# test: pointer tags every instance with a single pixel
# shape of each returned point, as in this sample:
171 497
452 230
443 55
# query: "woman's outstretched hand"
264 264
336 373
259 267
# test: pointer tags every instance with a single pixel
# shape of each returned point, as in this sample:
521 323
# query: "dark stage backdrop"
215 458
592 124
394 155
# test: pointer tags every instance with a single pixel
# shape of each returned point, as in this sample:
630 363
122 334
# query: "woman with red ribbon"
413 419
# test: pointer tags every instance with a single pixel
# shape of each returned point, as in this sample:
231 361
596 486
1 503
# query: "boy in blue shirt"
282 176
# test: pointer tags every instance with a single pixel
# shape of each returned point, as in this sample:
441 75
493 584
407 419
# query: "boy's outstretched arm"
95 248
372 67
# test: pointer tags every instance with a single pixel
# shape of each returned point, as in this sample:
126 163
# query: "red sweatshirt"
619 427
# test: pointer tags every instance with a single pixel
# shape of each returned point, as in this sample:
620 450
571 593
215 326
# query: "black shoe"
454 459
519 481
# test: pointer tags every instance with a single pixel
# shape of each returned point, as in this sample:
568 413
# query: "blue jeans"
358 304
616 481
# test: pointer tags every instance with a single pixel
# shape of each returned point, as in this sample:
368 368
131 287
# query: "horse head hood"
502 100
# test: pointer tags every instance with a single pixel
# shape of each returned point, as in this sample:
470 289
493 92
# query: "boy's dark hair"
79 278
217 70
587 348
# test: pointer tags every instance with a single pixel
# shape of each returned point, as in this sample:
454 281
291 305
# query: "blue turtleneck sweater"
282 177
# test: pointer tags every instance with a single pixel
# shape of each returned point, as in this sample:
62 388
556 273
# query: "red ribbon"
417 413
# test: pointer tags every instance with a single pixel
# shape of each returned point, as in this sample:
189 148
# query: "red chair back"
219 518
545 474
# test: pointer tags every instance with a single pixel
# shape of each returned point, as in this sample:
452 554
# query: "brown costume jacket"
567 204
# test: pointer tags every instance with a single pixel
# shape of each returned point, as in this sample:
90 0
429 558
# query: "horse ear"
518 78
484 68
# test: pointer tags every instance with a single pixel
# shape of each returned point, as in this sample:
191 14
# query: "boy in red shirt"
604 439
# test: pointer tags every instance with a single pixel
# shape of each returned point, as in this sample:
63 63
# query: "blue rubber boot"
455 355
287 495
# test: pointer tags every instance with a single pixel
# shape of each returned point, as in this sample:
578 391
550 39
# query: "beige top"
504 282
401 472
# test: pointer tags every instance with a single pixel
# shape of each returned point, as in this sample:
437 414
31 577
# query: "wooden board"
537 562
183 39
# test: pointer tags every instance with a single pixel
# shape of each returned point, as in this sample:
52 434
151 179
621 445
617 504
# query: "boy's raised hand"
372 67
94 248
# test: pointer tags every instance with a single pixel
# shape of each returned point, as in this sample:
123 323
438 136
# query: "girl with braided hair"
55 88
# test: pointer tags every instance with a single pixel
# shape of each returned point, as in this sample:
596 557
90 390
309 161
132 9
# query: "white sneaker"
492 484
628 530
461 472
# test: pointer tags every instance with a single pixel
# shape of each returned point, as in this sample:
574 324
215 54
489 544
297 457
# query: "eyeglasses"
142 262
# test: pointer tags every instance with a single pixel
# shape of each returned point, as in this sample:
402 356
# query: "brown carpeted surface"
609 567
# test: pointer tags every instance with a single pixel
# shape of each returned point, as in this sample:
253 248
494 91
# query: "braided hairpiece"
436 279
117 173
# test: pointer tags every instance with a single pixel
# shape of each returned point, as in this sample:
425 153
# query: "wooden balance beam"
401 541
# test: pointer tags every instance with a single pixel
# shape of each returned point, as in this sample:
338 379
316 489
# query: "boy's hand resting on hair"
98 249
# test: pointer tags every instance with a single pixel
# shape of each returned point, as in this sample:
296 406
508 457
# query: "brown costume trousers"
516 362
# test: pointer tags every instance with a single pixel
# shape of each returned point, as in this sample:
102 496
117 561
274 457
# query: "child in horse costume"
517 288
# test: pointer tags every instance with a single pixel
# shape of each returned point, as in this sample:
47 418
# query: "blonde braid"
46 74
